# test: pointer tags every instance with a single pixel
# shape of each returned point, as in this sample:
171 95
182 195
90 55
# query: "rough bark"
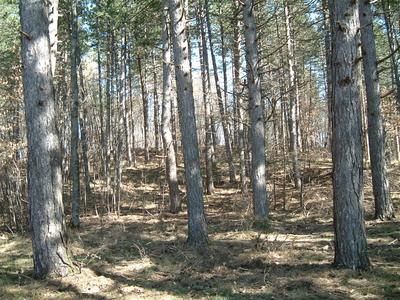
171 168
197 231
258 159
46 210
350 236
383 204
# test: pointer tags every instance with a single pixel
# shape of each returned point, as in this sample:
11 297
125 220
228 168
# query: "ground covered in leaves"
142 253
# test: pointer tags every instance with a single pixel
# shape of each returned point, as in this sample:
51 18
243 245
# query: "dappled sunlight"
143 254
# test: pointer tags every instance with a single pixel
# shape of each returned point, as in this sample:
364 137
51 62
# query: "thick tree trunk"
256 114
46 210
350 236
197 231
383 204
75 170
205 80
293 99
171 169
228 149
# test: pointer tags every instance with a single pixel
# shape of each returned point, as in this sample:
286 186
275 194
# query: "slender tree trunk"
171 169
145 109
100 97
53 30
383 204
292 120
84 133
46 212
197 231
130 115
75 170
125 102
205 80
228 149
350 236
108 126
256 114
238 99
328 68
156 107
392 46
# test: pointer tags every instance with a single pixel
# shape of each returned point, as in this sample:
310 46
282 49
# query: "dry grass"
142 253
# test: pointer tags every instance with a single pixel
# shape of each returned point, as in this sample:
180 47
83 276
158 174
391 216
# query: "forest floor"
142 253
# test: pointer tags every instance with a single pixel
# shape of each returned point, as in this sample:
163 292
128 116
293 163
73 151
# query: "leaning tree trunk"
256 114
44 157
171 168
383 204
350 236
197 235
75 193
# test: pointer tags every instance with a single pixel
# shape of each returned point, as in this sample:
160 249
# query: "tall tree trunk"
75 170
237 93
171 168
228 149
53 30
125 102
292 120
84 136
46 210
392 40
328 68
100 97
205 80
383 204
130 115
156 106
256 114
197 231
107 142
350 236
145 100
